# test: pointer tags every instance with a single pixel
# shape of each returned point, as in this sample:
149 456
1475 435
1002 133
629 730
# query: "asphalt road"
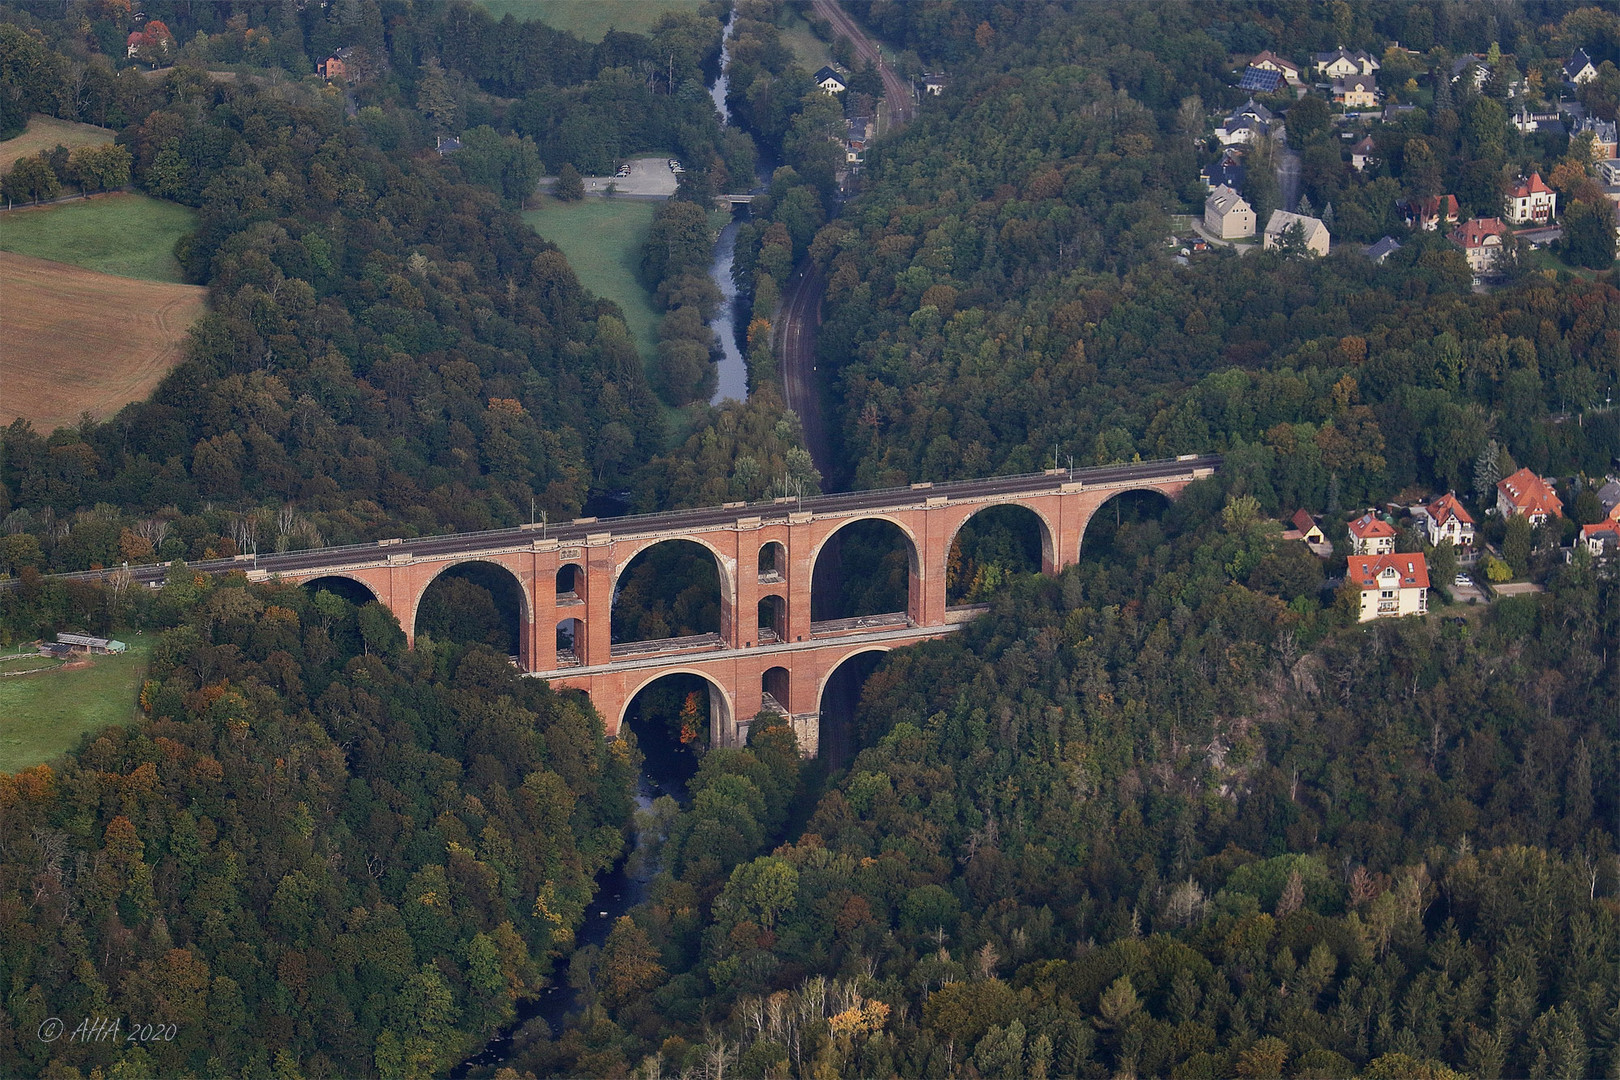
1288 179
577 531
799 320
902 106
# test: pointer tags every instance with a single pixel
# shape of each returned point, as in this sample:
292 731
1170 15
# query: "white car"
624 170
1462 581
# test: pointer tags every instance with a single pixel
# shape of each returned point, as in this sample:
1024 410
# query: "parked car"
1462 581
624 170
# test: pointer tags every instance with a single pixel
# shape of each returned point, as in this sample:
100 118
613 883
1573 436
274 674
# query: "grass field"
47 133
602 239
590 20
129 235
811 52
73 340
42 715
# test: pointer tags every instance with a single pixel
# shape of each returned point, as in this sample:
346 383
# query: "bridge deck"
670 521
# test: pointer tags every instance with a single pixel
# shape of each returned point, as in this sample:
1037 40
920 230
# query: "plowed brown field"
73 340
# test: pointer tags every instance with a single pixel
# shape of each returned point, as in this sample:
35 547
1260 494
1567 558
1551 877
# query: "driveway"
649 178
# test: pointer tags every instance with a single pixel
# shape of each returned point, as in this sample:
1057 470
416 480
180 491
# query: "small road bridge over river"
769 653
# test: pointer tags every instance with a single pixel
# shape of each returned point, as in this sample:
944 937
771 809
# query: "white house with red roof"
1391 585
1371 535
1526 493
1531 201
1481 240
1445 519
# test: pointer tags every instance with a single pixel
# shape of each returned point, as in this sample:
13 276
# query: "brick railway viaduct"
768 653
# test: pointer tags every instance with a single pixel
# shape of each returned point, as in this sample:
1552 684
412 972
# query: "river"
665 770
733 381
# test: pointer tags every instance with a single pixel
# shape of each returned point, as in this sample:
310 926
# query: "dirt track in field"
73 340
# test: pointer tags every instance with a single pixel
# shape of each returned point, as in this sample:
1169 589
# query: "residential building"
1270 61
1226 215
1473 67
1601 538
1228 171
1530 201
1580 68
1356 91
1371 535
934 85
1528 120
1609 172
335 66
1445 519
1382 250
1307 528
1526 493
1341 62
1605 137
1432 212
1251 123
1391 585
830 81
1260 80
447 145
1481 240
1609 498
1362 154
1317 238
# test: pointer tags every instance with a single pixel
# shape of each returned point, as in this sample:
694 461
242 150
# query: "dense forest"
1169 813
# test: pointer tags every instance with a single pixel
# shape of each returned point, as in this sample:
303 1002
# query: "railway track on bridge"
665 522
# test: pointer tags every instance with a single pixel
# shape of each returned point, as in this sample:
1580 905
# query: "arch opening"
990 547
669 590
345 588
774 685
866 568
675 717
839 704
570 642
569 579
772 625
1128 526
772 562
474 603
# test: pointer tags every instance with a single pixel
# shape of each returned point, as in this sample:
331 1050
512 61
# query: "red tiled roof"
1447 506
1370 524
1529 494
1523 189
1432 206
1303 521
1601 528
1474 233
1411 571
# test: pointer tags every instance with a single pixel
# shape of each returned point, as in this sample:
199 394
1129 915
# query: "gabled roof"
1446 507
1402 569
1578 62
1269 57
1262 79
1609 496
1370 525
1282 219
1432 207
828 73
1223 200
1609 530
1353 83
1383 249
1523 189
1303 521
1477 232
1365 146
1529 494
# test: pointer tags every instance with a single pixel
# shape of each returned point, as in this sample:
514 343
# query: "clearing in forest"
45 712
47 133
602 240
72 340
118 233
590 20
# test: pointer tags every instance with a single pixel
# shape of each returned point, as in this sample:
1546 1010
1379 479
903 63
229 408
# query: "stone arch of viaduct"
737 660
